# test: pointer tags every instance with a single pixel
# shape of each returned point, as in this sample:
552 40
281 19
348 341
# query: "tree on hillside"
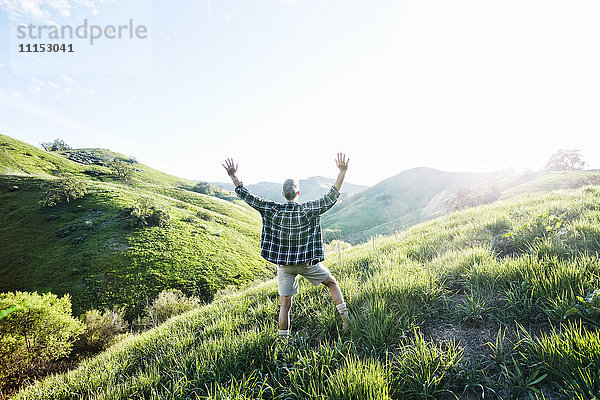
62 189
565 160
101 328
38 330
121 170
204 188
470 197
169 302
57 145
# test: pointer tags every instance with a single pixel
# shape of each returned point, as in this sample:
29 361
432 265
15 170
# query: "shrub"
204 188
100 329
330 235
470 197
159 217
34 330
135 217
337 246
206 216
169 302
62 189
146 213
122 170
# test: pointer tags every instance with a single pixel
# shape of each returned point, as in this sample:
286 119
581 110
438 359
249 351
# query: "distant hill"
88 248
398 202
310 189
419 194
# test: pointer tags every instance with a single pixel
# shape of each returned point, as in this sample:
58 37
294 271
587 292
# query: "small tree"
146 213
469 197
38 330
159 217
330 235
337 246
100 329
565 160
121 169
169 302
146 204
62 189
57 145
204 188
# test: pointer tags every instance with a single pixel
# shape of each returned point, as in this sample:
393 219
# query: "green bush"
169 302
121 170
159 217
62 189
337 246
35 330
100 329
330 235
206 216
204 188
146 213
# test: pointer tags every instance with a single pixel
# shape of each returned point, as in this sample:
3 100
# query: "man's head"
291 189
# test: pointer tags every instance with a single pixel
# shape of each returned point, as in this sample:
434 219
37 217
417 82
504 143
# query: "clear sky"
282 85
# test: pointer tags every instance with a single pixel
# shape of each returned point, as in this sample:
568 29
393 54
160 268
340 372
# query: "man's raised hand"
230 167
342 162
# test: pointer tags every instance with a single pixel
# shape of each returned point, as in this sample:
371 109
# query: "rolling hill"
495 301
89 247
397 202
420 194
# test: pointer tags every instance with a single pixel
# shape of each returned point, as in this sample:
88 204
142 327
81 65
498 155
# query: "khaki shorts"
287 276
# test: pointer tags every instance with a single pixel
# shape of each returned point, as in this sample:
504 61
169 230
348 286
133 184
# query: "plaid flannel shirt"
291 231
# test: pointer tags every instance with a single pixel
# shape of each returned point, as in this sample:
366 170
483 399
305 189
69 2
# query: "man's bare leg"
338 300
285 304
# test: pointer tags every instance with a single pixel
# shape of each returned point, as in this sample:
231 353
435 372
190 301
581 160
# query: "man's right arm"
243 193
231 169
342 164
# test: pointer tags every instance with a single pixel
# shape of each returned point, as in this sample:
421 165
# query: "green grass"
470 304
20 158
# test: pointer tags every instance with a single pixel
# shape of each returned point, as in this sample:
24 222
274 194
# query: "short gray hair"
290 189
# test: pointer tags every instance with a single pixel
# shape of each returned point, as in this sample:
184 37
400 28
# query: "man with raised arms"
291 238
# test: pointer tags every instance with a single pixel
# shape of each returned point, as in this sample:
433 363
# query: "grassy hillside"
20 158
88 248
551 180
310 189
497 301
422 193
395 203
